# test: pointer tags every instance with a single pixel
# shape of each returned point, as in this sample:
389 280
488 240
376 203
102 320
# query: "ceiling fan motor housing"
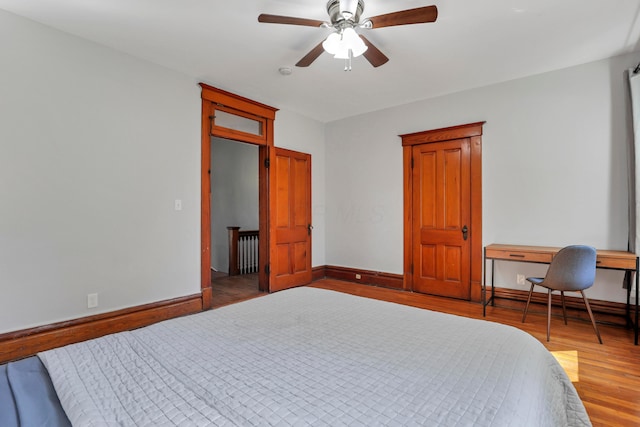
333 9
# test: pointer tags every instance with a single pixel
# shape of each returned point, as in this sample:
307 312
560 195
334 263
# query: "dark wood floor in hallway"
230 289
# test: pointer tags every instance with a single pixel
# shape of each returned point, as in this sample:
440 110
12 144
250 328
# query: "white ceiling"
473 43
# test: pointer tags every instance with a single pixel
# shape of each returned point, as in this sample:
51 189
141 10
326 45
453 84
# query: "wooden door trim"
237 102
213 98
443 134
473 131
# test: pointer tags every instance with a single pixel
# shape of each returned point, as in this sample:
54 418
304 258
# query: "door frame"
217 99
473 131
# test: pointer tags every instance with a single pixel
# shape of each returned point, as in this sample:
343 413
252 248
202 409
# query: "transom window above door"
233 124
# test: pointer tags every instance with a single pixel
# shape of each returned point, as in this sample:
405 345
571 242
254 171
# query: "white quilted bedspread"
313 357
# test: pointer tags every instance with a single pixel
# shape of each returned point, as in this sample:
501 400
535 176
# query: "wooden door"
290 219
441 218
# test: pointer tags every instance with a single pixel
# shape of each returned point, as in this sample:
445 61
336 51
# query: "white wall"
554 169
234 194
95 146
296 132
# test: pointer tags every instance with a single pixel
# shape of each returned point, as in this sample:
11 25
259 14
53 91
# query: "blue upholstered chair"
573 269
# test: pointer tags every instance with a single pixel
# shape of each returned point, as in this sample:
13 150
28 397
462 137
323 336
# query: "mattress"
308 356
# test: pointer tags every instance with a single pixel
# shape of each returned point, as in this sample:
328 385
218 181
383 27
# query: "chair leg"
593 320
564 307
549 317
526 307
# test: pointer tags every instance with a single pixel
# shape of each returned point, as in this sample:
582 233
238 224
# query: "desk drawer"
525 256
627 263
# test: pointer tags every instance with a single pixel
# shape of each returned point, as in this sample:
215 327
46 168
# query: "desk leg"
628 280
635 325
484 283
493 301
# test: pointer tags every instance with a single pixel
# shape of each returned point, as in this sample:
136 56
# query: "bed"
309 356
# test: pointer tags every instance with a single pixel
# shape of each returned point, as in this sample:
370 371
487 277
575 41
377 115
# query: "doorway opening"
235 217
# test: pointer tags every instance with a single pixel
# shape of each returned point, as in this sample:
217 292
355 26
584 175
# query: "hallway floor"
230 289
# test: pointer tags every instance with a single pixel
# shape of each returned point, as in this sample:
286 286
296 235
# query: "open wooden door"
290 219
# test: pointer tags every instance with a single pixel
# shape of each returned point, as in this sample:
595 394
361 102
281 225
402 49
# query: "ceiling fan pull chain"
347 62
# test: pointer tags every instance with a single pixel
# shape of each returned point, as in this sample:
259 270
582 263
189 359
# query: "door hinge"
267 163
267 269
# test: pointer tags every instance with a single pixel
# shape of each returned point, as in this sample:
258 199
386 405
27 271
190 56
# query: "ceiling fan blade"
418 15
373 54
277 19
311 56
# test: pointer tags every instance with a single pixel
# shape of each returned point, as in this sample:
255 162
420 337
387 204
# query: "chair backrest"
572 269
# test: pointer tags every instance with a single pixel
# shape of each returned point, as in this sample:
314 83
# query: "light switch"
177 205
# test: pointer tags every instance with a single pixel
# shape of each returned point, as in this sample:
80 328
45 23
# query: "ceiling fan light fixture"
359 50
353 42
342 54
349 53
344 45
332 43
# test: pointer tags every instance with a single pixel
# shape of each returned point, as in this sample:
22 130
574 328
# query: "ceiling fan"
345 42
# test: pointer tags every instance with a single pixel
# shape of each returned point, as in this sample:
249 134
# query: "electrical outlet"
358 277
520 279
92 300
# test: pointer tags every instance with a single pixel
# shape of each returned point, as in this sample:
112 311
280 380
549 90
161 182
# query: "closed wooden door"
290 219
441 218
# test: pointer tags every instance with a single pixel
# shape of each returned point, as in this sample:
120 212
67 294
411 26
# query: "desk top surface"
554 249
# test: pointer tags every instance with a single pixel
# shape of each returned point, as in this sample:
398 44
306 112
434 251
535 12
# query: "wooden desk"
613 260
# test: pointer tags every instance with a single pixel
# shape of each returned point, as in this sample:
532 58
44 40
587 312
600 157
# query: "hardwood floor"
608 375
230 289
